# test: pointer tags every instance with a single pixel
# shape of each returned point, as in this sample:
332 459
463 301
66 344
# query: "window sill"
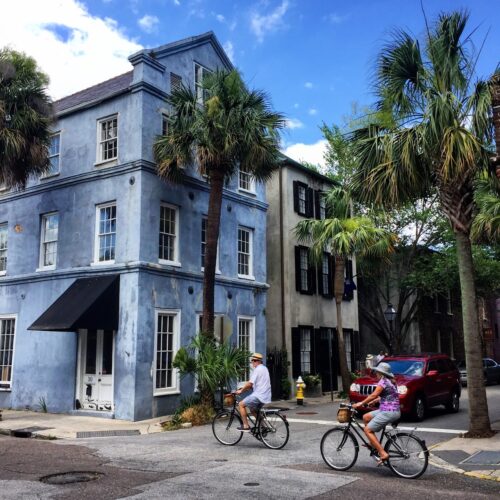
217 271
106 163
102 263
49 176
5 389
246 277
3 273
169 263
247 192
46 268
171 392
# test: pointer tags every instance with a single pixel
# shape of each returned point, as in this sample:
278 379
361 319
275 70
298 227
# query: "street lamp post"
390 314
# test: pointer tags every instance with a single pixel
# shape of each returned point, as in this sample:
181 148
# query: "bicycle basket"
228 399
343 415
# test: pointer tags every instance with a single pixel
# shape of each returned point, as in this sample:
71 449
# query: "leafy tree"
438 141
215 365
234 127
343 235
25 118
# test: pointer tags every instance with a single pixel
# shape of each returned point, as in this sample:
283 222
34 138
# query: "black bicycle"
269 426
408 454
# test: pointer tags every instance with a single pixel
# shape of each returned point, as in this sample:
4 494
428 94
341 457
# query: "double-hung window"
54 155
7 334
168 240
305 349
246 338
305 272
245 253
48 240
245 180
3 248
325 283
303 199
108 139
106 233
200 72
166 378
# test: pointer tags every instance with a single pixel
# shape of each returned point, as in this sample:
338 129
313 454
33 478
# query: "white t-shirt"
261 384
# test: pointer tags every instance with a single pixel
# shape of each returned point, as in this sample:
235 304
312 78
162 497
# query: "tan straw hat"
256 355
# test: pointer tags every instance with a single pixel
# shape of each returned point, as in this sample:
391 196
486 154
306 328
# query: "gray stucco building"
302 317
101 261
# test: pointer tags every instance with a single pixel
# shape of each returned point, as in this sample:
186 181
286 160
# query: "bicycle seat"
395 423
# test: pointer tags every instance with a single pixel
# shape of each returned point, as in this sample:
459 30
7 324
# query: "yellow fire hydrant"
300 391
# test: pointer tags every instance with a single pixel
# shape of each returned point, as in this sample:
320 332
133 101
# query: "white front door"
96 367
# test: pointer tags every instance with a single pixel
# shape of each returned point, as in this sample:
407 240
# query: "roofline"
299 166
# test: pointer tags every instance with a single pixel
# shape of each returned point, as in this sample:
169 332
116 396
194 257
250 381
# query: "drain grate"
96 434
71 477
483 458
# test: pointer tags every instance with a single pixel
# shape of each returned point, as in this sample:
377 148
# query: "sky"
314 58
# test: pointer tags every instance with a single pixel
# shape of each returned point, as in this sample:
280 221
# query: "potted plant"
313 385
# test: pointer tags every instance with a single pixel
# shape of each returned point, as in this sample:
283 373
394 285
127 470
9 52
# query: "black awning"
90 303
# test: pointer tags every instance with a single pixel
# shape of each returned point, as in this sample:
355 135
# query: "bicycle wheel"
224 427
339 449
408 455
273 430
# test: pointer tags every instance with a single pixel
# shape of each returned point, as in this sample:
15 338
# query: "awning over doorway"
90 303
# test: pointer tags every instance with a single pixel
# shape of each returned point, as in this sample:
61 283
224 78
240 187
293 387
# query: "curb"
442 464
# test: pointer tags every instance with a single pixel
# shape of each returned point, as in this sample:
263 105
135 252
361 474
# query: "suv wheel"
419 409
453 405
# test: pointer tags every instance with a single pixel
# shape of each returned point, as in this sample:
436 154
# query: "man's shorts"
382 418
253 402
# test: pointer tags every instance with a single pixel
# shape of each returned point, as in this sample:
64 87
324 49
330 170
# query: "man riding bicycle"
260 383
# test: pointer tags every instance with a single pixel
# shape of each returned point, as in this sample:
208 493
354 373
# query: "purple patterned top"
389 398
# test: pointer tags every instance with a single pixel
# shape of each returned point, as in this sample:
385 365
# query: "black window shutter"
309 202
320 279
295 352
297 269
315 338
317 196
311 276
348 293
330 275
296 196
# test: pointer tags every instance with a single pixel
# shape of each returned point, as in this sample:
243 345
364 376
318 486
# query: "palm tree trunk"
479 422
338 290
212 237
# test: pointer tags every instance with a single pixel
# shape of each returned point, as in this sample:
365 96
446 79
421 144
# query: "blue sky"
314 58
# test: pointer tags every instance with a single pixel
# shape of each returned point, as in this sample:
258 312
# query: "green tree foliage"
438 142
25 118
233 128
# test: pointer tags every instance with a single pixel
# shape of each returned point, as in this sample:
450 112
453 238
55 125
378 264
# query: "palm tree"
343 235
486 225
234 127
25 118
495 105
438 140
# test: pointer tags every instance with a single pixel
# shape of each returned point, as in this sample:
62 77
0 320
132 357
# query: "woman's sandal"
382 461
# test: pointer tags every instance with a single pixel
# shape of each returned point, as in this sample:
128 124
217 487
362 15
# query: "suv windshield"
407 367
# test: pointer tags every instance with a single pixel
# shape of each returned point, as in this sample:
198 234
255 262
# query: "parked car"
423 380
491 371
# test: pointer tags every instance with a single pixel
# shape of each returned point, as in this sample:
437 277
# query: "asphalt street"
190 464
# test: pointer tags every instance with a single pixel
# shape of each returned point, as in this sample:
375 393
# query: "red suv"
423 380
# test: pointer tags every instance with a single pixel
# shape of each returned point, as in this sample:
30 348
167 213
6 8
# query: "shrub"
312 380
199 414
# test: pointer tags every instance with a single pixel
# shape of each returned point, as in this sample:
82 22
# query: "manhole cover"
71 477
251 484
483 458
306 413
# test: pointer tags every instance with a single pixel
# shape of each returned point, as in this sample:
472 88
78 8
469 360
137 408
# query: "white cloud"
296 105
148 23
312 153
313 111
177 3
294 123
229 49
335 18
308 85
263 24
73 47
220 18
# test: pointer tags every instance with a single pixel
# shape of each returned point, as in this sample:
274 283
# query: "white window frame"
200 98
250 275
43 220
53 173
217 269
175 388
101 142
5 225
247 178
7 385
175 261
251 339
100 207
305 348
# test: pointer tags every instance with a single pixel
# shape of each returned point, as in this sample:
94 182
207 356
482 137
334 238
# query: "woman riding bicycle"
389 410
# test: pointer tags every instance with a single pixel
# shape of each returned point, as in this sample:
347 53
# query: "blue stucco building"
101 261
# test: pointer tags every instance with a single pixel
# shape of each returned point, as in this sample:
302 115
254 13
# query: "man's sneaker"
243 429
